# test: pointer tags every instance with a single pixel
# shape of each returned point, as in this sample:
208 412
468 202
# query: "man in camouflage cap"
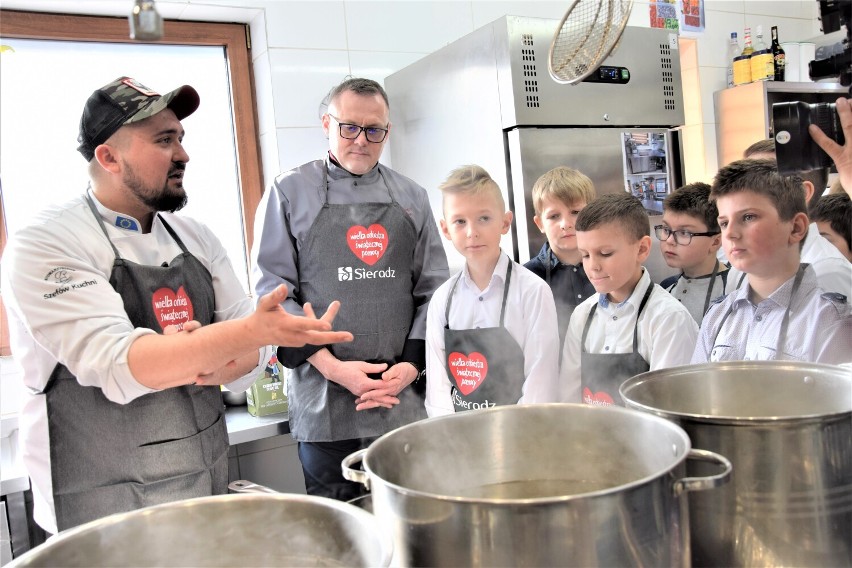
126 318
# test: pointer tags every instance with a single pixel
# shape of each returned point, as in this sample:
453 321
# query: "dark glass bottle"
778 55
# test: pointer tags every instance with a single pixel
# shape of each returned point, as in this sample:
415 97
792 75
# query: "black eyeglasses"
373 134
681 237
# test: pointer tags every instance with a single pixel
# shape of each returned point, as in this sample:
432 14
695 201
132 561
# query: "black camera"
795 150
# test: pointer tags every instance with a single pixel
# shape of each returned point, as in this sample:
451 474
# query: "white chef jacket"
819 329
530 319
667 332
833 271
62 308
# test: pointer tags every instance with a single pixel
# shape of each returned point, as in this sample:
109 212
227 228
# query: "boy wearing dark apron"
632 325
491 331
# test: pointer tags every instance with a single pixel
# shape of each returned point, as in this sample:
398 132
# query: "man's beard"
164 199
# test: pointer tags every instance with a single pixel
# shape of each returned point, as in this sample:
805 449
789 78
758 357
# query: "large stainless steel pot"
787 429
534 485
225 530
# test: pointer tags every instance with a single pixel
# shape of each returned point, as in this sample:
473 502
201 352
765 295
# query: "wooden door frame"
233 37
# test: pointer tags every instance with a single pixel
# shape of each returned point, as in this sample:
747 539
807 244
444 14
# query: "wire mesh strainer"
586 35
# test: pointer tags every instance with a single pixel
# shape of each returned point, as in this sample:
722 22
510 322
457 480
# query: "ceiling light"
146 24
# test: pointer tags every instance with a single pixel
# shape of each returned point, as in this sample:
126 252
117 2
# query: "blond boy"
558 197
632 325
491 331
780 312
689 240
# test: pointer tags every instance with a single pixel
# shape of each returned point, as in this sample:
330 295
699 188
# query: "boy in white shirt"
689 239
780 312
491 332
632 325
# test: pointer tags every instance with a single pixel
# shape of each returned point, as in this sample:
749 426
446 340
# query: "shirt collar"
635 297
499 274
783 294
119 220
336 171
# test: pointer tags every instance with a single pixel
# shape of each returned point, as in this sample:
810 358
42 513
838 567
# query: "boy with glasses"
346 227
689 240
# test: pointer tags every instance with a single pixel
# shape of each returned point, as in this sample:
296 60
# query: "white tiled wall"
301 48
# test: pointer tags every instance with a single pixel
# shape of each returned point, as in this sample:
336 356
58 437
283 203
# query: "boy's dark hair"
817 177
761 177
359 86
620 208
836 210
693 199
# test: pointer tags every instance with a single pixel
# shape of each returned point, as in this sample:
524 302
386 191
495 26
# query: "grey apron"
485 365
360 254
165 446
785 321
602 373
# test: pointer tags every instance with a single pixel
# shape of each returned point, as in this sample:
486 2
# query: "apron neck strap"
635 327
502 306
325 183
782 333
710 287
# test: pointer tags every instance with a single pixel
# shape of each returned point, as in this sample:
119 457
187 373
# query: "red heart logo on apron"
596 399
172 308
368 244
469 371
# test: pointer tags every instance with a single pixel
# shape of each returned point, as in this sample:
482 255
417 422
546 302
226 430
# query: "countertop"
243 427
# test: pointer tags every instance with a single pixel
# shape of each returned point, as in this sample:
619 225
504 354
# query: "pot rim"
408 492
372 525
743 366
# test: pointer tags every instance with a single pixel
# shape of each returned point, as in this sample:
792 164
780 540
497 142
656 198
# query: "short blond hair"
565 184
471 180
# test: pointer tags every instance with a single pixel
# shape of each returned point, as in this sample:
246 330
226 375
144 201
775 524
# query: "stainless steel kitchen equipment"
535 485
224 530
488 99
787 429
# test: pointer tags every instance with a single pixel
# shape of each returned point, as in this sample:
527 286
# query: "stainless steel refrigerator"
488 99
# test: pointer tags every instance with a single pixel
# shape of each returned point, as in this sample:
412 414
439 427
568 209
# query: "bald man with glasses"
346 227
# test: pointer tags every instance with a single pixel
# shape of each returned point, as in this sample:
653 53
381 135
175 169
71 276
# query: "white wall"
301 48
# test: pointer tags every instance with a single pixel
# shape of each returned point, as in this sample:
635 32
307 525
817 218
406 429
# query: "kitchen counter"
243 427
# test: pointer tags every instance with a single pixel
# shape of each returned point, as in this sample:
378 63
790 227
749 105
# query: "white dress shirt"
833 271
819 328
667 332
530 319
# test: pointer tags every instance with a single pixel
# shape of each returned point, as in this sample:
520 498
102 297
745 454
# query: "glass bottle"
733 51
762 64
742 65
778 55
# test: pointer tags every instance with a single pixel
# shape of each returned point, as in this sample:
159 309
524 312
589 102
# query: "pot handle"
356 475
701 483
244 486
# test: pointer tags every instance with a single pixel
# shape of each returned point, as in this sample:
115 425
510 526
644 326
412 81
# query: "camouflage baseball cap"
125 101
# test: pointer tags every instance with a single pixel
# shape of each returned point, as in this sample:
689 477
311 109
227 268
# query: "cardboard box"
268 394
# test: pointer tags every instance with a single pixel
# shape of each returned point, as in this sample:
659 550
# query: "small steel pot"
534 485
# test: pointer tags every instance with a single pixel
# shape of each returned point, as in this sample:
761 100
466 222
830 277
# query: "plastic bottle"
733 51
778 55
742 65
762 64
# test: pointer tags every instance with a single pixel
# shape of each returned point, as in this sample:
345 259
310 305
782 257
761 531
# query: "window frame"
233 37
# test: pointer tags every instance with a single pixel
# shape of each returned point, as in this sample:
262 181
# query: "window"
46 83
